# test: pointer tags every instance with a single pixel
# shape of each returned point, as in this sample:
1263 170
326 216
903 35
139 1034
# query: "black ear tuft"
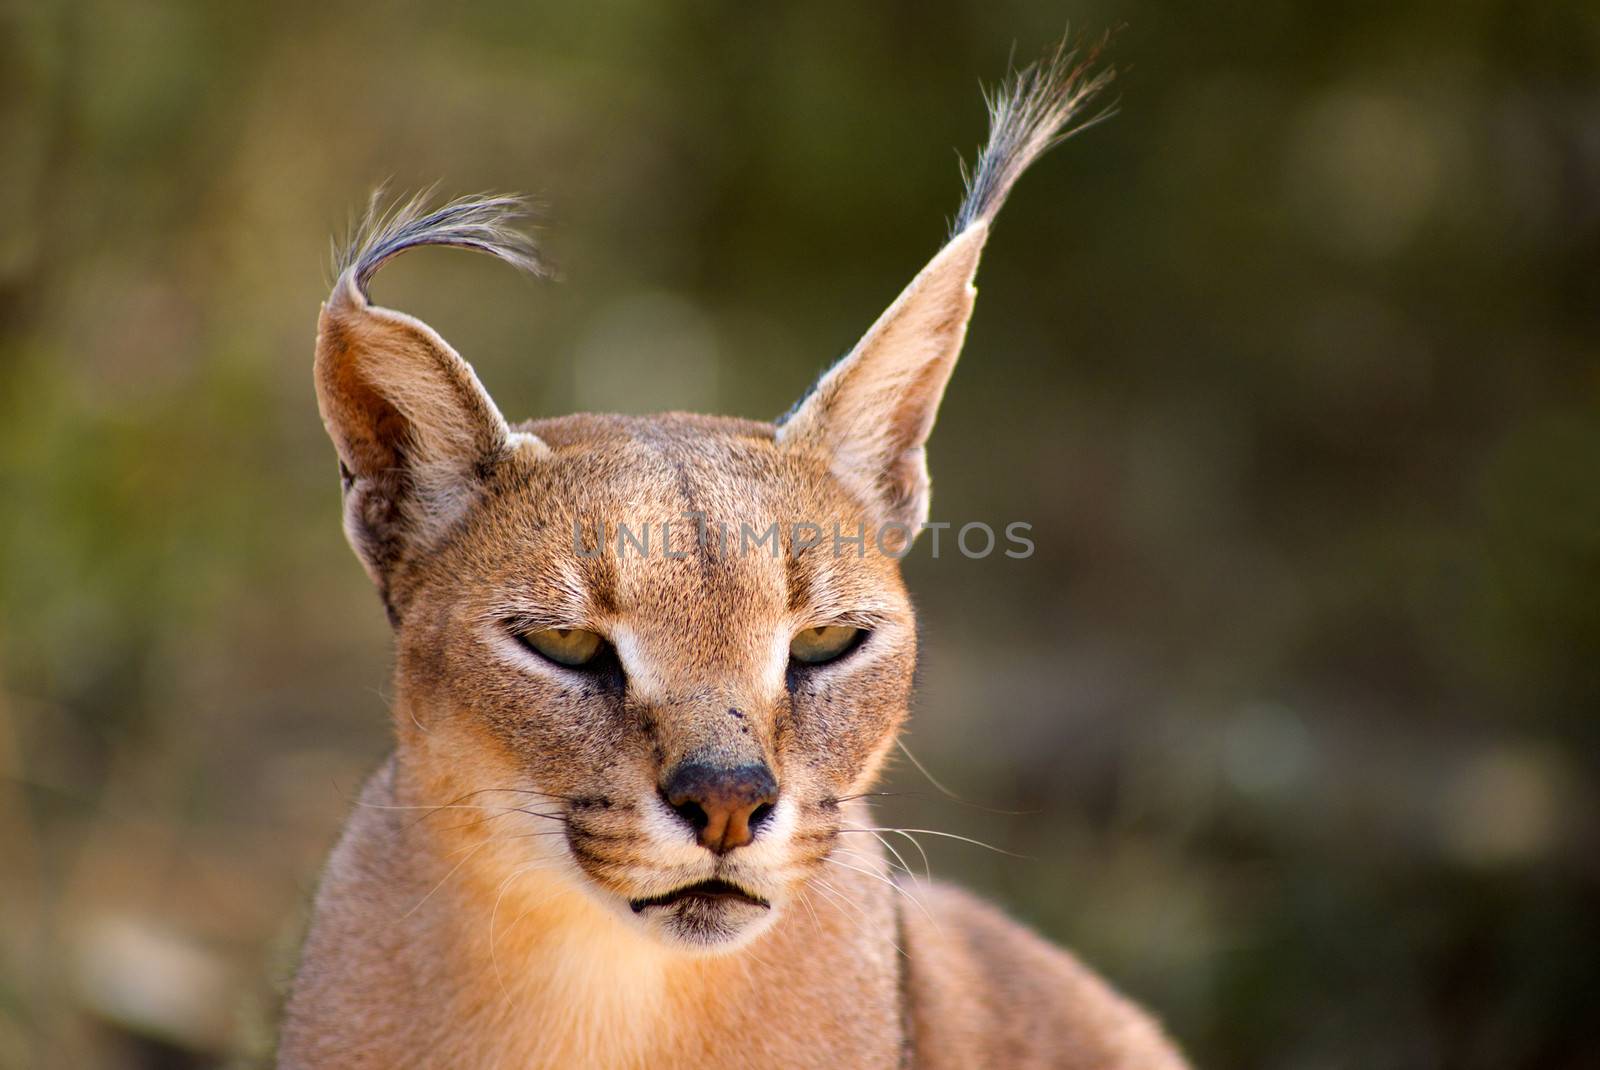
484 223
1034 110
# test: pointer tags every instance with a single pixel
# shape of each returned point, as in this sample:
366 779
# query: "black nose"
723 805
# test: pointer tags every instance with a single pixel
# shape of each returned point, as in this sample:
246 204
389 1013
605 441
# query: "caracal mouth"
702 894
708 916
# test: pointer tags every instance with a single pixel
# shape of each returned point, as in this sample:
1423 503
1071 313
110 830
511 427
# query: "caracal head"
667 651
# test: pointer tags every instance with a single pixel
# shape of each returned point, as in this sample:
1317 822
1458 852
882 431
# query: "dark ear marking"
484 223
1031 112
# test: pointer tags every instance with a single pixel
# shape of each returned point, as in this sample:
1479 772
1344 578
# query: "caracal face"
660 654
698 624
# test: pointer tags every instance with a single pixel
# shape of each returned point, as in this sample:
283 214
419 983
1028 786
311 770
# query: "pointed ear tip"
348 311
345 296
967 245
974 236
977 230
347 319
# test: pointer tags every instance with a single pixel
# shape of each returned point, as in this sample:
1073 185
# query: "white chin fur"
708 928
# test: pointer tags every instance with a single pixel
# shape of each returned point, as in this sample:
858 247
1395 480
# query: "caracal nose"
724 805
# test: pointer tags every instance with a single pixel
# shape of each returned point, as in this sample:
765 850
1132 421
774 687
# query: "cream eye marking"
643 681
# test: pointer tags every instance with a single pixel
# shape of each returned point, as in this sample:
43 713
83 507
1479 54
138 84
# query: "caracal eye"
572 647
813 646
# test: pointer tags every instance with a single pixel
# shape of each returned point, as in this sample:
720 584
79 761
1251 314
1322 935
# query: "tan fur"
495 899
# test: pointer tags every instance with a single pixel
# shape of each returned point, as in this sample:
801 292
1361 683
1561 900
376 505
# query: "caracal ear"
871 414
415 431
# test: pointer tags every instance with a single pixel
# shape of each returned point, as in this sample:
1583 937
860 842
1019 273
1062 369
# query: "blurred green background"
1292 366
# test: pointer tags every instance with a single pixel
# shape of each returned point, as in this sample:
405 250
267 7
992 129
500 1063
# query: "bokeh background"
1294 367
